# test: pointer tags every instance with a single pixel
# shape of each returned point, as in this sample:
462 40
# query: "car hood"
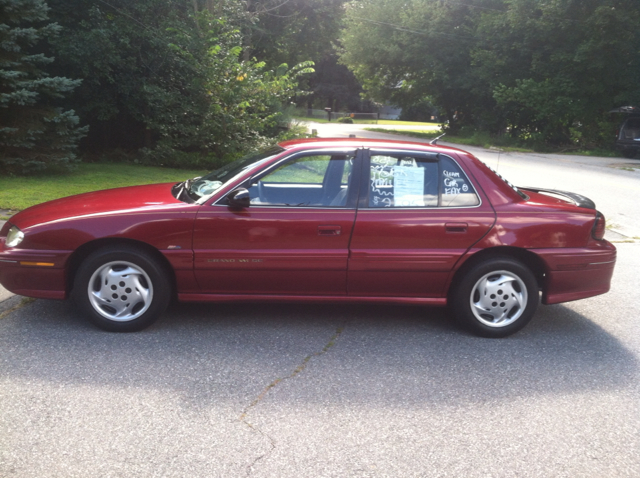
153 196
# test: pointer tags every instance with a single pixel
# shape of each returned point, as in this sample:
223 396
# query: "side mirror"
239 198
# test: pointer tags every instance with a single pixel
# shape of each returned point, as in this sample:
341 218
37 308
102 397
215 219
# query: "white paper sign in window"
408 186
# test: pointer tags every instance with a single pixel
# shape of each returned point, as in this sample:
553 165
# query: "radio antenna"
435 140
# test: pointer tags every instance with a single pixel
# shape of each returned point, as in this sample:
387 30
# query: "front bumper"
39 274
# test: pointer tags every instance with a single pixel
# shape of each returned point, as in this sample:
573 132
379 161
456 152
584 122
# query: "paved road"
326 391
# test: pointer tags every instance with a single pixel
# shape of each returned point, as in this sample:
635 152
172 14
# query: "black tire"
121 289
629 153
495 298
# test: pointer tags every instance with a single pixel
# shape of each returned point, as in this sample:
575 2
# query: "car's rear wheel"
629 153
121 289
495 298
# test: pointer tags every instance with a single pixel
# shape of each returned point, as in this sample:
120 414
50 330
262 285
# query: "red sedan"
316 220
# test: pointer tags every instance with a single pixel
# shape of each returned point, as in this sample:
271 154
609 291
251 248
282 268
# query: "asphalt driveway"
293 390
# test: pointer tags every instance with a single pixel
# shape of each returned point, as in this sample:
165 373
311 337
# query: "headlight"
15 237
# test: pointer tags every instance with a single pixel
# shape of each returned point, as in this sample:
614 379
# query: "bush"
345 119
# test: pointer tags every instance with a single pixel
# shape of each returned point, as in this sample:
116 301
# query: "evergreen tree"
35 133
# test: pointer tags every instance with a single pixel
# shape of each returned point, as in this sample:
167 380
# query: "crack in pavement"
275 383
24 301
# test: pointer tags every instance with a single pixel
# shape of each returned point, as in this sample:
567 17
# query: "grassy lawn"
475 140
18 193
369 121
414 133
488 142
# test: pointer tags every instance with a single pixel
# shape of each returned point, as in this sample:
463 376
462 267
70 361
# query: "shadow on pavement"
387 354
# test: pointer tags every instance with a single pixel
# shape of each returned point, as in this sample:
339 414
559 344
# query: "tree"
539 71
35 133
168 76
410 51
122 50
556 68
294 31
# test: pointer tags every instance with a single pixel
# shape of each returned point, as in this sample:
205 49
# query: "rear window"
520 193
632 123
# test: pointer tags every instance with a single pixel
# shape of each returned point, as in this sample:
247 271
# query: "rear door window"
413 181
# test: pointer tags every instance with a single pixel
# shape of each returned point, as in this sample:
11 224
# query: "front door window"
308 181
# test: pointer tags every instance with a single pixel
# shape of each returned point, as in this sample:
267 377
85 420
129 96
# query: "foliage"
294 131
423 110
345 119
276 31
170 78
241 102
334 86
579 59
35 132
543 72
406 51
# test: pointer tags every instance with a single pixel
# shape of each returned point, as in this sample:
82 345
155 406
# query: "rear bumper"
628 145
573 274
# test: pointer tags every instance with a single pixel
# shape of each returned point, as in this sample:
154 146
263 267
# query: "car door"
418 213
293 239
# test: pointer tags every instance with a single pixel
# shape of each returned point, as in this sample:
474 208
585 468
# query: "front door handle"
329 230
456 227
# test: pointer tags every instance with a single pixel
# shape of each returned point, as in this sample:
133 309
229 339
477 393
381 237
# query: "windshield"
205 186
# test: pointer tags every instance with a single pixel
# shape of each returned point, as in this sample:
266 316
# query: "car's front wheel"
495 298
121 289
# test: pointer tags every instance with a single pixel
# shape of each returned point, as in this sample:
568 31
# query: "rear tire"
495 298
629 153
121 289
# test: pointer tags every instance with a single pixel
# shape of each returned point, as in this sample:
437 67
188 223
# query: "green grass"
369 121
412 133
598 152
18 193
475 140
487 143
504 144
307 171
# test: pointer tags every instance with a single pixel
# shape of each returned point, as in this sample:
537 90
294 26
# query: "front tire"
496 298
121 289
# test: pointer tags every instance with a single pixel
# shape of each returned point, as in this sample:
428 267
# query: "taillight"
599 227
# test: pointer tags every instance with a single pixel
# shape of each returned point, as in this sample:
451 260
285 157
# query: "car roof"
632 110
365 143
497 190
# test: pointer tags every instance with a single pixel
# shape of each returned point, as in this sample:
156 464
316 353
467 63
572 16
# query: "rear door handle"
456 227
329 230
